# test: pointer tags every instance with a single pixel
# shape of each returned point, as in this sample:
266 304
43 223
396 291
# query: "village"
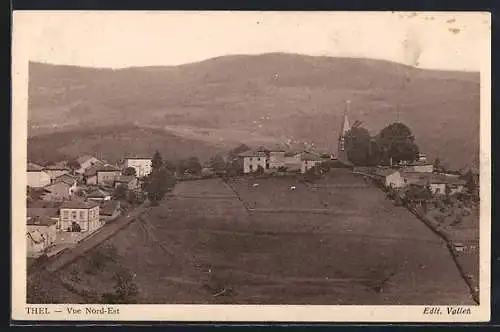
69 203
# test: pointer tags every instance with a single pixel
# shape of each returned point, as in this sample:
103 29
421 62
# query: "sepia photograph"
318 164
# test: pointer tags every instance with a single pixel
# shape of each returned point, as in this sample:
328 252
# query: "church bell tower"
345 127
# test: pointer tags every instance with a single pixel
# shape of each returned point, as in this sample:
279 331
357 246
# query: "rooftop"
78 204
58 166
40 221
66 178
50 212
385 171
251 153
32 167
310 156
109 207
97 193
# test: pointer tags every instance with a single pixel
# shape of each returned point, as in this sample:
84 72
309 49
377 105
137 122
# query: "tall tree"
193 165
73 164
397 143
217 163
157 161
357 145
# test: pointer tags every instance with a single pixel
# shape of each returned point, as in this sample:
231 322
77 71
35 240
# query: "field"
321 245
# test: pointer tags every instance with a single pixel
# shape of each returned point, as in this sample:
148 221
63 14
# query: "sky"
448 41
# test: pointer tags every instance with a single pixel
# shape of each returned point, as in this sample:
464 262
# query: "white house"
37 177
41 230
390 177
77 215
420 167
142 166
438 183
276 157
309 160
253 159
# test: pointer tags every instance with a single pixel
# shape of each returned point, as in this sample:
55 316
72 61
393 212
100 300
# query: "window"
258 159
82 214
250 159
73 214
65 214
251 167
91 213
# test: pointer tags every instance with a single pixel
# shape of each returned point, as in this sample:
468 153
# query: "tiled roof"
32 167
40 221
108 168
97 193
292 153
57 184
84 158
57 167
78 204
425 178
384 171
66 178
251 153
108 208
310 156
42 212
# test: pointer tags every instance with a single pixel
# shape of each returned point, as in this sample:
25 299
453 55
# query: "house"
253 159
86 162
97 194
390 177
107 174
68 179
56 170
79 216
58 191
276 157
41 229
437 183
309 160
37 177
128 181
418 166
109 210
142 165
40 235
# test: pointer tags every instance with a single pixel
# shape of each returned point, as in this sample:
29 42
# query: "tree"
157 161
259 170
73 164
159 181
397 143
237 150
120 192
129 171
357 144
471 184
217 163
437 165
193 165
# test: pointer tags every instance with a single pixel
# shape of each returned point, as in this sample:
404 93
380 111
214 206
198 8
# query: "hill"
112 143
270 97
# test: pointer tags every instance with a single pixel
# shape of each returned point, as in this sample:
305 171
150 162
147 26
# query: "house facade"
293 161
106 175
81 213
276 158
308 161
128 181
390 177
142 166
253 159
56 171
36 176
40 235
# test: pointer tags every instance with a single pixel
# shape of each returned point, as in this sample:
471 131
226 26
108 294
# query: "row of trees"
394 143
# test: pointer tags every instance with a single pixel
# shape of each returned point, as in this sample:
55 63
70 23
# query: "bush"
439 218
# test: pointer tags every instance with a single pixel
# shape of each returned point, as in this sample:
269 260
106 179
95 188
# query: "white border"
245 313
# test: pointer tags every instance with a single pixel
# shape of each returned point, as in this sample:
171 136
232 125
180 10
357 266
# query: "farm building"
253 159
107 174
58 191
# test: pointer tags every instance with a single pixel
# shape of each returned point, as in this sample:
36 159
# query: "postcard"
251 166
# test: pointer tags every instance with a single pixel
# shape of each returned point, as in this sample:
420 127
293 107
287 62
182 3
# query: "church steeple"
345 127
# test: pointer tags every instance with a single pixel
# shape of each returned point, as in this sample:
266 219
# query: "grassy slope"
284 258
274 95
112 143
